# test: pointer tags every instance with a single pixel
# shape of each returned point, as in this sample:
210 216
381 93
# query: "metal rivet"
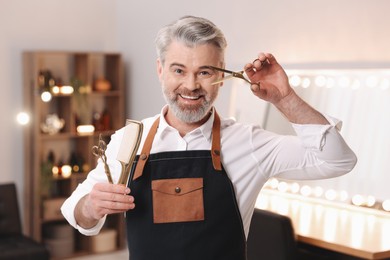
216 152
177 190
143 156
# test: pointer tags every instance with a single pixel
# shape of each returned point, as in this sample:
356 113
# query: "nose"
192 83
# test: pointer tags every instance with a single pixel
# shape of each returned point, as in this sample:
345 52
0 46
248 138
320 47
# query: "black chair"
13 244
271 237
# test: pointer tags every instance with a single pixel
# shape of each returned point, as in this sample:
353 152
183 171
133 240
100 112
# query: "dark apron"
185 206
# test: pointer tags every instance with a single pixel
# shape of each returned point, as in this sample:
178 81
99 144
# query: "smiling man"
193 195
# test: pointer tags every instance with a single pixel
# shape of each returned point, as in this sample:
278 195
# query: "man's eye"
178 71
205 73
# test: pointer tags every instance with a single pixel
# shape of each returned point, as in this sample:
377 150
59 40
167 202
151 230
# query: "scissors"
99 151
235 74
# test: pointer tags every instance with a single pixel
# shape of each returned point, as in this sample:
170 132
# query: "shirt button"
177 190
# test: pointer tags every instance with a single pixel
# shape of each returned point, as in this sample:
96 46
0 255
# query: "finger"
111 188
249 69
116 206
270 58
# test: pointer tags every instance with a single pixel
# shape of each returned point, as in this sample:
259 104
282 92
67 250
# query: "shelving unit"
85 89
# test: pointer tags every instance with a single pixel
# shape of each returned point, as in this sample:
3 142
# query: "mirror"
358 97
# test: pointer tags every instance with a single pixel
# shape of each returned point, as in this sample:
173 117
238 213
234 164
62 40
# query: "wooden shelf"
43 72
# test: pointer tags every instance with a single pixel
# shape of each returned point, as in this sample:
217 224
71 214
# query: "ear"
159 69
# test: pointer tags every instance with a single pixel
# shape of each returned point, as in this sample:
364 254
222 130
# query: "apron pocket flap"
177 187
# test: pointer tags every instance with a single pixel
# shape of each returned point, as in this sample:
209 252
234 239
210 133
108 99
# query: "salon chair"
13 244
271 236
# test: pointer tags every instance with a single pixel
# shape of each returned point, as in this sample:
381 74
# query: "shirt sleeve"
94 176
316 152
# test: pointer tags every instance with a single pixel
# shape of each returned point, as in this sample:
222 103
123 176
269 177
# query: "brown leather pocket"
177 200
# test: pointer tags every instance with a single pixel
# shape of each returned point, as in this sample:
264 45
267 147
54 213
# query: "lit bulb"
295 81
46 96
306 190
55 90
370 201
282 186
23 118
66 171
295 187
330 194
386 205
358 200
306 83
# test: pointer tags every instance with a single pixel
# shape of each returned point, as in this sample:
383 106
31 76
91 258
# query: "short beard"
188 115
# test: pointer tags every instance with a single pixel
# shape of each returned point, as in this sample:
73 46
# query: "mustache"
196 92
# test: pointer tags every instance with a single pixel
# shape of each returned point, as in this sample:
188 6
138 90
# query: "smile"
190 97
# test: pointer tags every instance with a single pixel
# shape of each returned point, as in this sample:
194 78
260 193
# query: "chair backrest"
271 236
9 210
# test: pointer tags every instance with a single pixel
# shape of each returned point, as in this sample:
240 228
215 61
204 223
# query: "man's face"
187 82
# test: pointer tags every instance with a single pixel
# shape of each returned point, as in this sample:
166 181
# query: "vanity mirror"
360 97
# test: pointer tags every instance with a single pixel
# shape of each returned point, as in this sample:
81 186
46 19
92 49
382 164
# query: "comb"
128 149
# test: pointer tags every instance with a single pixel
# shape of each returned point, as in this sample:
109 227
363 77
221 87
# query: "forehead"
197 56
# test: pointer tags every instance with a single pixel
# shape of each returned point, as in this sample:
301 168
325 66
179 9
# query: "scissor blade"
223 70
222 79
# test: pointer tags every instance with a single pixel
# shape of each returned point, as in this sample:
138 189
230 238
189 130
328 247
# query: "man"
194 197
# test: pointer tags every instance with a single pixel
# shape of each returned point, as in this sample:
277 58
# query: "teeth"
189 97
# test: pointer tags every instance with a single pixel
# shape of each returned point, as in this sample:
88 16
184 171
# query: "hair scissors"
99 151
235 74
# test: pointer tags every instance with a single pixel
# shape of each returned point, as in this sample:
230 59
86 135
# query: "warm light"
55 90
306 190
282 186
370 201
46 96
23 118
358 200
66 171
386 205
66 90
85 129
273 183
295 187
330 194
55 171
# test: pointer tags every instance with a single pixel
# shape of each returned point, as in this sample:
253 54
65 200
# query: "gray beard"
190 115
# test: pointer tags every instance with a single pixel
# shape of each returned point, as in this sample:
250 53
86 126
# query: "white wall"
300 31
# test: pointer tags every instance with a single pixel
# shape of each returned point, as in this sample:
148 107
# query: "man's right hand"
104 198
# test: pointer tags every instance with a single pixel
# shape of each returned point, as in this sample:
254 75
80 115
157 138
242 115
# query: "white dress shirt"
249 154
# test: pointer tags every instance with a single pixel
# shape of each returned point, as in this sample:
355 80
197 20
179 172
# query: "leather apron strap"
215 146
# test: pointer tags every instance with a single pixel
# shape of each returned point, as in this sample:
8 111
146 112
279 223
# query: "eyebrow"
183 66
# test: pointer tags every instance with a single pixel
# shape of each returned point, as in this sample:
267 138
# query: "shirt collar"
205 129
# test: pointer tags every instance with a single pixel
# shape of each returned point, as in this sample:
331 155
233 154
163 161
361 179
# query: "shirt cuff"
67 210
313 135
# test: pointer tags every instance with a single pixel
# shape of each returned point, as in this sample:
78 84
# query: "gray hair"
191 31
